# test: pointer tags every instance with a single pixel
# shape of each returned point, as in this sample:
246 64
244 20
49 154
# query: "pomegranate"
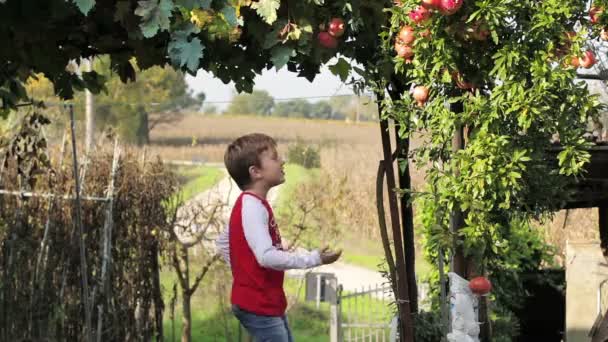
588 59
431 4
449 7
594 14
575 61
403 50
327 40
421 95
336 27
480 285
419 15
406 35
480 32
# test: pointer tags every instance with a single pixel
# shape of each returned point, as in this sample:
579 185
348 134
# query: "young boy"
251 244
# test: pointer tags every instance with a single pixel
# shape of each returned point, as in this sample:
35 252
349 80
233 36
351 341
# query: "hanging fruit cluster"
329 38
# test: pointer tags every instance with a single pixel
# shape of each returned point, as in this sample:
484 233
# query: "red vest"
255 288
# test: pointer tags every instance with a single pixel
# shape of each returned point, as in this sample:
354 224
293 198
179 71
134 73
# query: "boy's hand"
328 256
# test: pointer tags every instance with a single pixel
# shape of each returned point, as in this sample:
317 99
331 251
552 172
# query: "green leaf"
93 81
280 55
341 69
155 16
184 52
229 13
267 9
123 8
192 4
84 5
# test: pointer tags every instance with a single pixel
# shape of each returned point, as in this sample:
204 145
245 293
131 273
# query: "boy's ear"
253 172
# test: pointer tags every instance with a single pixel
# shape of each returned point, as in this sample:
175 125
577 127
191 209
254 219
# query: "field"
349 153
350 150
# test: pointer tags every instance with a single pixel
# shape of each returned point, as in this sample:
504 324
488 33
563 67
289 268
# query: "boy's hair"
245 152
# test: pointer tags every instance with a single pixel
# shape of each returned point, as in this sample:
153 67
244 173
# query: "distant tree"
259 102
210 109
200 100
133 109
354 108
339 106
298 108
321 110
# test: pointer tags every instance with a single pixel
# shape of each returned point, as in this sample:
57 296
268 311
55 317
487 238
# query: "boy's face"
271 169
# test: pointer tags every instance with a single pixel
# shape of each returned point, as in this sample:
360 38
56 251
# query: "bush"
40 278
304 155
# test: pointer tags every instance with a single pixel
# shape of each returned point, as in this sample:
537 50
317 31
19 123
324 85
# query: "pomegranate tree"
504 75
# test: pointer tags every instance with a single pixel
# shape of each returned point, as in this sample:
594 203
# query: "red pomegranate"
421 95
449 7
480 285
327 40
419 14
588 59
403 50
575 61
594 14
406 35
431 4
336 27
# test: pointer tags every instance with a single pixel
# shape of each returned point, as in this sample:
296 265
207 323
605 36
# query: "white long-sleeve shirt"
255 218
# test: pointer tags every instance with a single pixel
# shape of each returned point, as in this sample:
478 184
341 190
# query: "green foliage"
84 5
298 108
304 155
156 15
267 9
523 93
321 110
235 30
259 102
510 252
428 326
185 52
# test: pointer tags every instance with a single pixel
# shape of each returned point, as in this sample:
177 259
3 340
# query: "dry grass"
205 137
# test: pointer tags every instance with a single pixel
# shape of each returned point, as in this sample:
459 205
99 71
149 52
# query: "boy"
251 244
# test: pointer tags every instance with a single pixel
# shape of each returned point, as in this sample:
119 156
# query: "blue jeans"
264 328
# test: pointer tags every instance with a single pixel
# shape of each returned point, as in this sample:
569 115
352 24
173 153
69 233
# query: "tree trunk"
398 87
407 219
186 316
186 297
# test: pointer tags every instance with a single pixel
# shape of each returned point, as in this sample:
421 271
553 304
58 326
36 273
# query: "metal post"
318 290
334 312
81 234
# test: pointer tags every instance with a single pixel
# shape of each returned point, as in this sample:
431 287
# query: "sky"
281 84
